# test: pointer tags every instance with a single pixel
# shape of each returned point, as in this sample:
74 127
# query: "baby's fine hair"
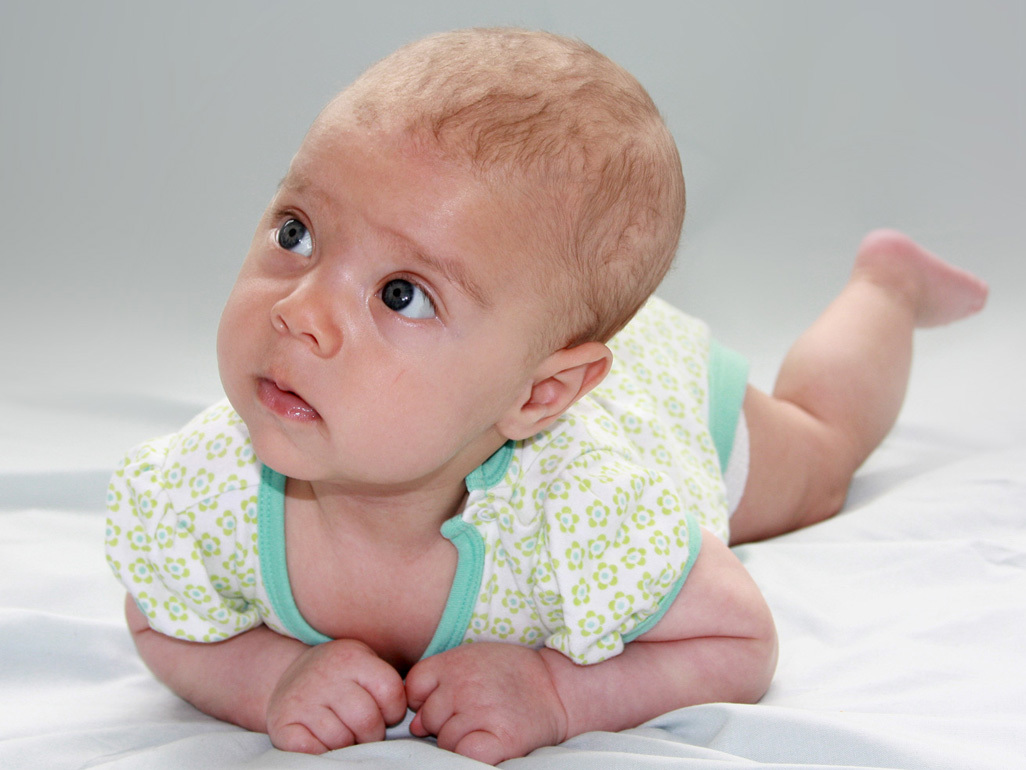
573 133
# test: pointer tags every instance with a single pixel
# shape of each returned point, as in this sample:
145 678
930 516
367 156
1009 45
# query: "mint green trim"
492 470
459 608
273 566
728 381
694 546
274 570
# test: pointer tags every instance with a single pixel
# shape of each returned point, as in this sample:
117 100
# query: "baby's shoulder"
210 458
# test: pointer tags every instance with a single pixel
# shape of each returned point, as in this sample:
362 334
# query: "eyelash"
283 215
419 283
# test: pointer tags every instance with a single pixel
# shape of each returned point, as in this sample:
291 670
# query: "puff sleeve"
181 533
617 545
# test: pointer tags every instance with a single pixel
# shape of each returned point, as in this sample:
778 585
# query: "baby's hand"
488 701
334 695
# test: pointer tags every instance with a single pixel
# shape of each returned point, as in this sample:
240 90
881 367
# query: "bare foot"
938 293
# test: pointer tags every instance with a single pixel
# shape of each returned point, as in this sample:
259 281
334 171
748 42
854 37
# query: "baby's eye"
407 299
293 236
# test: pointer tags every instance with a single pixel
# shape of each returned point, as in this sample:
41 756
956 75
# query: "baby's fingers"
296 737
462 736
386 687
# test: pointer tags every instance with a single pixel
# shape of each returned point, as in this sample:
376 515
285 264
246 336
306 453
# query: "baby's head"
591 171
457 236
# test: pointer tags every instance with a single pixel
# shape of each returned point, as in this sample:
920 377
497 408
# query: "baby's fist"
334 695
488 701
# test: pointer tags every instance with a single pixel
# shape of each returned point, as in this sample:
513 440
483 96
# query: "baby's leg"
841 385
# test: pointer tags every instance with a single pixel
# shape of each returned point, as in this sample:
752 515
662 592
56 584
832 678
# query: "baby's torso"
390 600
576 539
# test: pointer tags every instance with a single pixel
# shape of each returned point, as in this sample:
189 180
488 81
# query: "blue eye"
407 299
293 236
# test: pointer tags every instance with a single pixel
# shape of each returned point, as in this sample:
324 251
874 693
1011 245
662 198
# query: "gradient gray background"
141 141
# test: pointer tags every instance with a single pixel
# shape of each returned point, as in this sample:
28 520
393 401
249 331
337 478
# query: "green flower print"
668 503
478 624
220 615
605 575
208 505
221 583
558 489
634 557
231 484
646 587
575 556
502 628
113 499
592 624
621 605
598 514
147 604
176 568
598 546
661 456
643 373
660 544
583 484
113 534
199 485
643 516
581 592
567 519
631 424
668 381
506 520
218 446
227 523
675 407
185 524
176 610
609 643
491 588
192 442
529 545
550 464
682 533
197 594
175 475
209 544
514 601
144 503
621 499
244 455
530 636
140 571
138 540
250 510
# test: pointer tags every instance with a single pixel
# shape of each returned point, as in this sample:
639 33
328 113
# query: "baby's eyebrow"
455 272
451 269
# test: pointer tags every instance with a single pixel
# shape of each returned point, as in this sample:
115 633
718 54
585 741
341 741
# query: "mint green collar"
465 586
492 470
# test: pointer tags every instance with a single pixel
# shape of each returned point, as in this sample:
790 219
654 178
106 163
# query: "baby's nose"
308 316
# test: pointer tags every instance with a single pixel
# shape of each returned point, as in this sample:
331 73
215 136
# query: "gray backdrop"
140 141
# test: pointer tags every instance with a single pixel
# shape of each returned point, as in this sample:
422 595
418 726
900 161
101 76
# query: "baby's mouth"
284 402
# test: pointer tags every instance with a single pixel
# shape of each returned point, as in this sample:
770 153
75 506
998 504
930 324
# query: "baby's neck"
402 518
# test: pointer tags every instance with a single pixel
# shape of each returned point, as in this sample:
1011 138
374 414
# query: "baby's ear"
559 382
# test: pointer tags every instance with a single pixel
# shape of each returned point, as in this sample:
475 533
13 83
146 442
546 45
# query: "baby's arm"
717 642
308 699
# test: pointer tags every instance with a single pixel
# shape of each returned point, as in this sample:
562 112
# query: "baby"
467 465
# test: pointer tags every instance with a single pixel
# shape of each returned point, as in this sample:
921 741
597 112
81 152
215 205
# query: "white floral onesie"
577 539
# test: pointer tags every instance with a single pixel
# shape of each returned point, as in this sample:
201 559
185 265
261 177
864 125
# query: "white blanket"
140 141
901 623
